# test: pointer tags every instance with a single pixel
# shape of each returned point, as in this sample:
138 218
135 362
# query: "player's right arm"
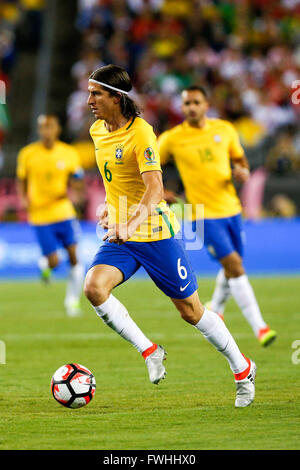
22 185
164 148
103 216
120 233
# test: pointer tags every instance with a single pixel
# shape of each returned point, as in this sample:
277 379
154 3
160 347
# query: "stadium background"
246 54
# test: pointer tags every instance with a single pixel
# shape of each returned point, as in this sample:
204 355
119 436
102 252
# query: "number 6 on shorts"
181 270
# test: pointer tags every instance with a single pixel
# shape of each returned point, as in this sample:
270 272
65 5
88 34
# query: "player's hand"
24 203
170 196
240 173
118 233
103 218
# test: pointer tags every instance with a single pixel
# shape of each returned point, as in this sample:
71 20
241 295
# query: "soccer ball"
73 385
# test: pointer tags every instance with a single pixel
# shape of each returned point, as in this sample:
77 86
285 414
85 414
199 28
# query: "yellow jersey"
122 156
47 173
203 158
86 151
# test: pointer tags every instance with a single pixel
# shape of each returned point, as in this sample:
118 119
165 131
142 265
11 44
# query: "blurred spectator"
13 14
252 194
283 159
281 206
246 54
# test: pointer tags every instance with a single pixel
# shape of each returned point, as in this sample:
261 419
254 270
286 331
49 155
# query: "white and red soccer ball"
73 385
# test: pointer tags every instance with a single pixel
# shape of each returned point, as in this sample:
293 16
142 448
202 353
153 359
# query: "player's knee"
190 314
233 266
72 255
95 291
235 270
53 262
186 316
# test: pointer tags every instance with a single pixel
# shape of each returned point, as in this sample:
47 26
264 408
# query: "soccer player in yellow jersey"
204 151
44 169
142 231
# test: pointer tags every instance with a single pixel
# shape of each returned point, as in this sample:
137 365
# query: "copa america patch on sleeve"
150 156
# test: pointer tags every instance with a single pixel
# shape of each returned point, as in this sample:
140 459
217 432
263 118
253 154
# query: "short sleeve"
235 148
21 165
75 165
164 148
146 150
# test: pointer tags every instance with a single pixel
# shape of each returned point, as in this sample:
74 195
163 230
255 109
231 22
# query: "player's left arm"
120 233
241 169
76 173
22 179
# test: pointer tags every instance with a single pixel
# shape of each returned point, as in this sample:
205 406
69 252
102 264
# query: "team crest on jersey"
119 154
217 138
150 156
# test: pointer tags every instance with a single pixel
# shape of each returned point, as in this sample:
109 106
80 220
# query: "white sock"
75 281
115 315
43 263
243 294
215 331
221 293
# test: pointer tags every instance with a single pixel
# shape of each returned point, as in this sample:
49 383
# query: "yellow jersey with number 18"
203 158
122 156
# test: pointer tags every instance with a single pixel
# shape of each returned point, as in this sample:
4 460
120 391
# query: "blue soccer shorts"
165 261
52 236
223 236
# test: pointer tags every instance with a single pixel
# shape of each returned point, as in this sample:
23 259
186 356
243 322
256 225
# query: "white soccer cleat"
245 388
154 363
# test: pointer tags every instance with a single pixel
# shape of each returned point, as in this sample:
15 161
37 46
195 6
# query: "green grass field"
192 409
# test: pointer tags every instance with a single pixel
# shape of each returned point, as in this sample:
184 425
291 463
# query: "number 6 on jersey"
107 173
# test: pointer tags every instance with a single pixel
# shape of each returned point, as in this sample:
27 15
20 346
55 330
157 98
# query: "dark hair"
197 88
49 116
117 77
45 117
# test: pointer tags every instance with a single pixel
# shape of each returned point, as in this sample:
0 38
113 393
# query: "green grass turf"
192 409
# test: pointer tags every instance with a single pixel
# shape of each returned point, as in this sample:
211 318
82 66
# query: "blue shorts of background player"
60 234
165 261
223 236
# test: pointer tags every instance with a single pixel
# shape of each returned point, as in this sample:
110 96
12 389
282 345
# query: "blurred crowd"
245 53
12 13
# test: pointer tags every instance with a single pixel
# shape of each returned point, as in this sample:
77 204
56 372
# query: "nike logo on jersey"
183 288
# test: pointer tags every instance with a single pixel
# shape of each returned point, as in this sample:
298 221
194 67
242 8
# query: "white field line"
97 336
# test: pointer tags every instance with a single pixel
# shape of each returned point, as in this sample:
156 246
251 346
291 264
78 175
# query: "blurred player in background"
44 170
128 160
204 150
